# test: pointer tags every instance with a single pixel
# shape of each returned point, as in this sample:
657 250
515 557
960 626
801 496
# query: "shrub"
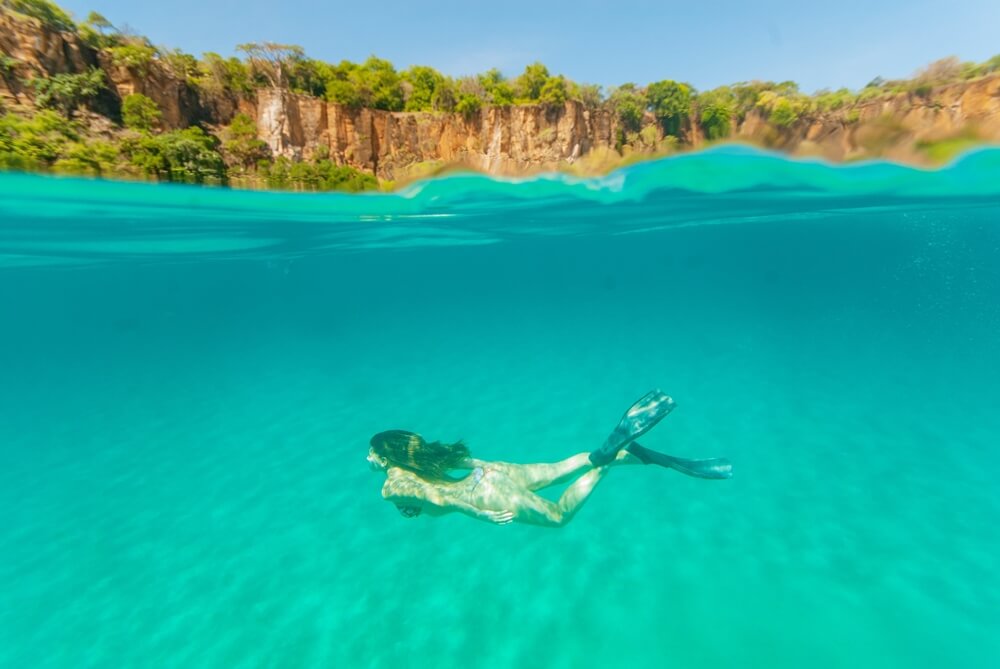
134 57
67 92
189 156
553 92
468 106
941 71
321 175
182 65
827 101
242 143
140 112
51 141
783 112
93 158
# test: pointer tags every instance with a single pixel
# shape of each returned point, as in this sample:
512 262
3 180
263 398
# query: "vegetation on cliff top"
55 139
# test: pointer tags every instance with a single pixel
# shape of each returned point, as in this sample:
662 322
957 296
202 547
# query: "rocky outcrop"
178 102
41 52
512 140
498 140
524 139
889 127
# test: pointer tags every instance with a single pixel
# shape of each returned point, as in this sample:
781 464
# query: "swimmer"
418 479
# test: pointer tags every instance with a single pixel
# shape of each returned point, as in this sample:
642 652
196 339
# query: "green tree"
421 82
528 86
715 110
308 76
629 104
445 97
379 84
553 92
344 93
670 103
270 60
140 112
98 33
498 90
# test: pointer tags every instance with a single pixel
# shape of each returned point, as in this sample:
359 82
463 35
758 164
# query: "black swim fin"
712 468
640 418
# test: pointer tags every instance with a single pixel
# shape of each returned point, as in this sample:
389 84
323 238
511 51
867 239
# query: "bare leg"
543 475
537 510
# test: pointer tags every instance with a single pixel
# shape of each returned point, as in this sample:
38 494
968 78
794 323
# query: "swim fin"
712 468
640 418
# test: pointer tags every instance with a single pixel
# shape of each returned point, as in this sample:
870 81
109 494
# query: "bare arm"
410 493
498 517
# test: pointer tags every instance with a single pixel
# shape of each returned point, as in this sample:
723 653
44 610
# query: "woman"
417 478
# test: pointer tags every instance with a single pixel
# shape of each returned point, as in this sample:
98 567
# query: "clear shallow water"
190 378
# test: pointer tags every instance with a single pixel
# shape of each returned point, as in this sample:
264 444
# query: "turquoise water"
190 378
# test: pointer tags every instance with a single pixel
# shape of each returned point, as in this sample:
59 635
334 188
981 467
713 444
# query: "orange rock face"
514 140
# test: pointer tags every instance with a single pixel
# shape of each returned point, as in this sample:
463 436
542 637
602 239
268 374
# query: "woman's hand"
498 517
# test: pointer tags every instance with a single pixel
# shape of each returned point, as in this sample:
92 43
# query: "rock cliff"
512 140
498 140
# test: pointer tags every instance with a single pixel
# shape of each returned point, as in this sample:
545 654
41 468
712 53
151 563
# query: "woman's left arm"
498 517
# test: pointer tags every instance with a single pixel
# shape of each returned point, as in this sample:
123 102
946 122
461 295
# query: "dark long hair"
429 460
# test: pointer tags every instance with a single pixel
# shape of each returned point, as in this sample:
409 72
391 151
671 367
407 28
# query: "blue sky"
818 44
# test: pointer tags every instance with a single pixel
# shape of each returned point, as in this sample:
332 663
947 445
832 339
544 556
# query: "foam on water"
190 378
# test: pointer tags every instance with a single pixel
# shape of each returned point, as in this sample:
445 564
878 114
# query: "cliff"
497 140
525 139
514 140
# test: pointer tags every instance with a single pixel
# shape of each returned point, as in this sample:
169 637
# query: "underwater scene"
190 377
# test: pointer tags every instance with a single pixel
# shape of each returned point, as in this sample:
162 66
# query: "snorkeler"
417 478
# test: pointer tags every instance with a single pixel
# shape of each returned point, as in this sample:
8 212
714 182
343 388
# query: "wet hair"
408 450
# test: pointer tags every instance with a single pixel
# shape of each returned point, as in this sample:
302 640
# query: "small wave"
46 220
